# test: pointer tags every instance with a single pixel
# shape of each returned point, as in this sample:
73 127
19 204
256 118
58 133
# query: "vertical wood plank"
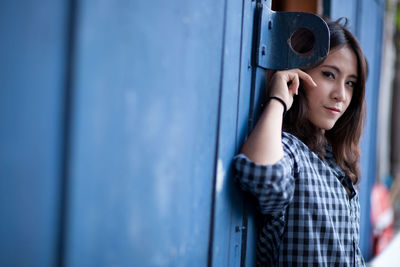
252 95
228 202
345 8
32 75
144 132
371 15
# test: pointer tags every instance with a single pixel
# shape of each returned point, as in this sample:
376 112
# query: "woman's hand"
285 84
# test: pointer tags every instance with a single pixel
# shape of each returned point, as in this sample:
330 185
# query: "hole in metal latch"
302 41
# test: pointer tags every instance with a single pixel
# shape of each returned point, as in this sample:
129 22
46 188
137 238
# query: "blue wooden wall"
119 120
120 124
144 132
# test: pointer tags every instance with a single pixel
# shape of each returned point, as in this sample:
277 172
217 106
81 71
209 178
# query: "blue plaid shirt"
308 217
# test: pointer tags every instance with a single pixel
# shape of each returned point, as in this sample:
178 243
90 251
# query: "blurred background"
119 121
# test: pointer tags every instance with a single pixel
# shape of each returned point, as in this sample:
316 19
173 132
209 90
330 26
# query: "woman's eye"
328 74
351 84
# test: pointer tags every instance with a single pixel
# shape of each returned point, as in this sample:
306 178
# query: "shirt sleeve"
272 185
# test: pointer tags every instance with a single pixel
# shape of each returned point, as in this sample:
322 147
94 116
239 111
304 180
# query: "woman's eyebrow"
338 70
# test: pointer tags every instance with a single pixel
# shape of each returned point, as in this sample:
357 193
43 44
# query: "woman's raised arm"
264 145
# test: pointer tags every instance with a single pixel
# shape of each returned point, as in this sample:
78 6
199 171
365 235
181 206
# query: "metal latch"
279 33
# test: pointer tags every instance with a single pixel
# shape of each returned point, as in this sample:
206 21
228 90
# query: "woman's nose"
339 93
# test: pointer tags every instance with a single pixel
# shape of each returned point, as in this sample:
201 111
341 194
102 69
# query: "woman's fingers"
293 80
286 83
293 85
306 78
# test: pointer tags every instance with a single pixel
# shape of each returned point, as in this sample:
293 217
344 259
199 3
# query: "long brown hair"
344 137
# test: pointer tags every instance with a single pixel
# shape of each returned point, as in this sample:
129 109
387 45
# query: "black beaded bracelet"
282 102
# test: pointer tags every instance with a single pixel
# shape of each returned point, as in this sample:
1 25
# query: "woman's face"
335 79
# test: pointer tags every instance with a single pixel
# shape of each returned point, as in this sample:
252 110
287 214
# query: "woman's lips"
333 110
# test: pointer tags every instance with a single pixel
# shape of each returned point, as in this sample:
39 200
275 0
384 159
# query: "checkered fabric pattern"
308 217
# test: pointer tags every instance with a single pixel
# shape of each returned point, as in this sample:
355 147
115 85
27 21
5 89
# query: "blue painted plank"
32 74
370 36
144 133
228 202
348 9
252 95
246 96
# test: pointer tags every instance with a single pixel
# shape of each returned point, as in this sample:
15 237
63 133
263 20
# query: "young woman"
304 177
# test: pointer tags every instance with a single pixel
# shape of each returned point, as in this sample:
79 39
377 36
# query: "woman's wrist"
280 101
